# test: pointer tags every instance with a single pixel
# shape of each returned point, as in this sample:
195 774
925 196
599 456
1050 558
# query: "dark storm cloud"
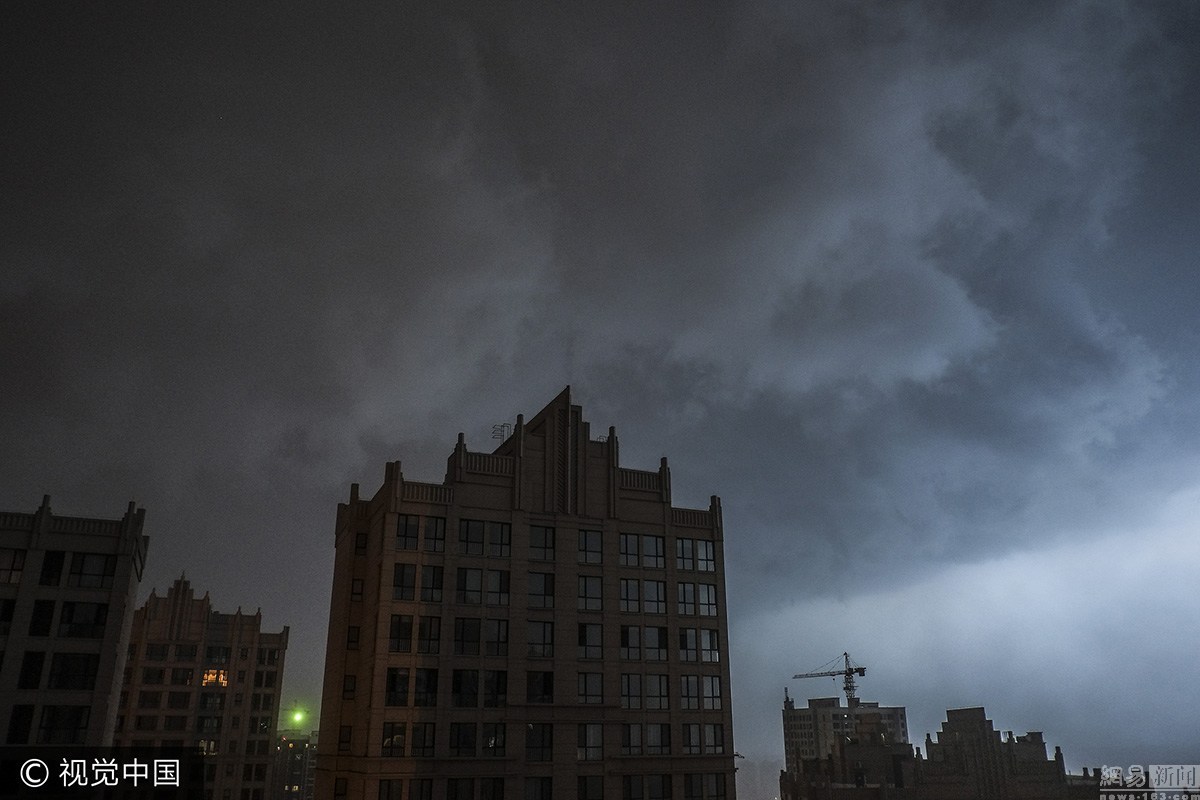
862 269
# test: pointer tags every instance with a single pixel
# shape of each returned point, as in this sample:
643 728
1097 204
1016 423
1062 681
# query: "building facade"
200 678
814 732
295 772
542 624
67 591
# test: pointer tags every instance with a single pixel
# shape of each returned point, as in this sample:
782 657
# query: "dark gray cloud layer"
910 285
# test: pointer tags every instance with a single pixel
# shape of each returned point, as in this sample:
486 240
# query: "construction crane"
847 674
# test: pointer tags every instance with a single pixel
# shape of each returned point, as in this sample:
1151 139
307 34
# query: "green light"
298 716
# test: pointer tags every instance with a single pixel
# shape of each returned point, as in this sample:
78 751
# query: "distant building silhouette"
67 590
542 624
968 761
295 770
815 731
198 677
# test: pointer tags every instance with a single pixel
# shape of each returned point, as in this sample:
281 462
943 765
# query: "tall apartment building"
200 678
542 624
814 731
67 590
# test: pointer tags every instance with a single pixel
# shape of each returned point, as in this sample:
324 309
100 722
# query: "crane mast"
847 674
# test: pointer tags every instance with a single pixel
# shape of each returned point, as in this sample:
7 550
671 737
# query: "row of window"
490 637
468 687
207 701
88 570
494 540
67 670
490 740
213 676
203 724
57 725
492 587
696 786
213 654
76 620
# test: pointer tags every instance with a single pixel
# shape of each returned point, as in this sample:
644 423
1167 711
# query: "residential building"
67 591
814 732
201 678
543 623
295 772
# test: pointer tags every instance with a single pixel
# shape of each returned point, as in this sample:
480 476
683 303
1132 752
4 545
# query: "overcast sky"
912 286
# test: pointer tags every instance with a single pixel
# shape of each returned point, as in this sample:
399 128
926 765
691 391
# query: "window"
345 736
540 687
691 738
63 724
655 643
656 693
653 552
658 787
360 543
689 692
591 787
541 543
631 787
714 786
706 560
408 527
178 700
631 642
52 568
7 606
589 547
495 688
391 788
404 582
42 618
685 554
185 652
462 738
349 684
714 739
541 590
631 739
491 789
91 570
658 739
431 583
654 597
466 636
541 638
149 699
429 635
421 788
539 789
499 535
687 598
631 690
425 687
629 595
396 688
156 675
495 637
688 645
589 640
435 534
710 648
400 634
470 537
590 742
460 788
469 588
352 637
539 741
356 589
12 564
497 587
590 687
422 740
464 688
493 739
589 593
708 600
628 543
712 691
